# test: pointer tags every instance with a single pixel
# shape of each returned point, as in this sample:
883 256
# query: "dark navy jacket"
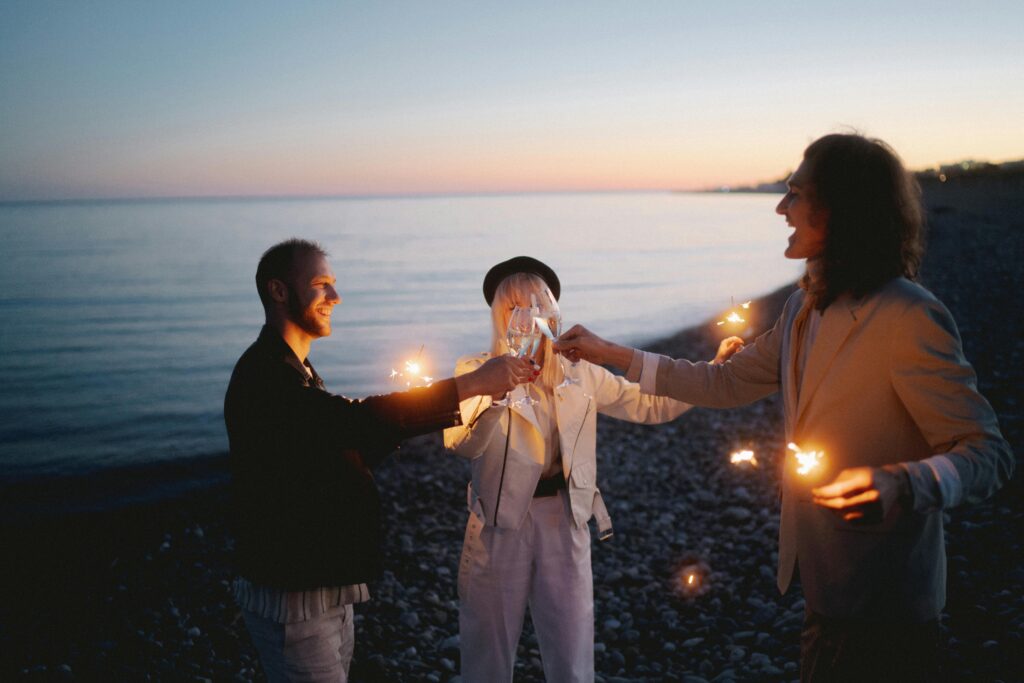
306 508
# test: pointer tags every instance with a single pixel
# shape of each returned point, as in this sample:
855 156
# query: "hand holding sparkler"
864 495
726 349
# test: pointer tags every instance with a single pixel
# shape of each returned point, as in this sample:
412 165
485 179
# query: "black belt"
549 486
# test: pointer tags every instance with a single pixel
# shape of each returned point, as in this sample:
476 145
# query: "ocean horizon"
122 319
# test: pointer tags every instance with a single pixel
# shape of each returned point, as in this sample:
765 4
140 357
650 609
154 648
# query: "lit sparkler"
745 457
691 582
412 374
807 461
734 316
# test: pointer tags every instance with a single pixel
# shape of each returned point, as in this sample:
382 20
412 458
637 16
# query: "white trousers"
315 651
544 564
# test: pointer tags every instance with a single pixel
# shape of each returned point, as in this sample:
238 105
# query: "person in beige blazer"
873 375
533 492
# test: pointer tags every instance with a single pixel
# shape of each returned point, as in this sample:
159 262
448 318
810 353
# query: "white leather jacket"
503 484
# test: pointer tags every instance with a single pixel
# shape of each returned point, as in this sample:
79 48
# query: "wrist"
466 386
618 356
904 490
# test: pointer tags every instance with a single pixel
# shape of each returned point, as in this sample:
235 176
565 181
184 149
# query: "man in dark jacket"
307 511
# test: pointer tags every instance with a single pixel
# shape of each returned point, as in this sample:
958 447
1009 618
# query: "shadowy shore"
142 591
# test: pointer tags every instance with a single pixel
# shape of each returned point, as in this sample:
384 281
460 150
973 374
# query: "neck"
813 282
294 336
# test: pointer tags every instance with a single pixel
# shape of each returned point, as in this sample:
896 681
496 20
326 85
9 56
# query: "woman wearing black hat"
532 493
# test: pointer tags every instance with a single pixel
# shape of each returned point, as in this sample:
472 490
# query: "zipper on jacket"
504 461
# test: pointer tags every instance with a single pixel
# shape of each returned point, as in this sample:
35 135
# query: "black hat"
519 264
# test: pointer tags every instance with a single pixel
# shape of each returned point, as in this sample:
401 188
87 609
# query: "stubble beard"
306 318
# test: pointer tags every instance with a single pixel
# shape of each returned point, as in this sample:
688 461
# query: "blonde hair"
515 290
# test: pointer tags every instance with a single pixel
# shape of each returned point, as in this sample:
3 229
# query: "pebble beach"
143 591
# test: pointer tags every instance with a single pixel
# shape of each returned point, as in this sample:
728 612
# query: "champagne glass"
553 319
519 337
523 338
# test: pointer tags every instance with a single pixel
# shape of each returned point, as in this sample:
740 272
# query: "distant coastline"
964 171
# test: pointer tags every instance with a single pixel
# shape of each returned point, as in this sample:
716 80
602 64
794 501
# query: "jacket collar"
278 349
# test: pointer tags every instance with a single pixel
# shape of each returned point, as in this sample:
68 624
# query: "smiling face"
311 295
809 222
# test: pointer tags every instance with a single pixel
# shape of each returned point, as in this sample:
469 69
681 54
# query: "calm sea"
120 321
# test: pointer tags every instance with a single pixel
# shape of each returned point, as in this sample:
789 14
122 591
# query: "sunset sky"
137 99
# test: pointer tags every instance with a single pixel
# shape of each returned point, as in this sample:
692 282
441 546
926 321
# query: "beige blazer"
502 487
885 381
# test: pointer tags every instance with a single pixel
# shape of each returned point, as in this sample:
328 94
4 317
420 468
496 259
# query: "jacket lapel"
525 411
836 325
570 411
789 392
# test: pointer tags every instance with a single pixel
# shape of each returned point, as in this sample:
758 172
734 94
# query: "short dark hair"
875 226
278 263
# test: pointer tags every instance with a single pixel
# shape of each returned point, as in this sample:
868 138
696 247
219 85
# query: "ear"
278 290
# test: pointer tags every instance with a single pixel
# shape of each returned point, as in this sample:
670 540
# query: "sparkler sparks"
734 316
745 457
690 580
807 461
412 374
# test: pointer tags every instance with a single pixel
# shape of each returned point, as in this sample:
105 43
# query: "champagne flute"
523 338
553 318
519 338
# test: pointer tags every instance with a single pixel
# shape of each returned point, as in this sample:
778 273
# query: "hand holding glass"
520 337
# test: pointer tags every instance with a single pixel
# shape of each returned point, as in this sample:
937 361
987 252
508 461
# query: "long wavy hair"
515 290
875 224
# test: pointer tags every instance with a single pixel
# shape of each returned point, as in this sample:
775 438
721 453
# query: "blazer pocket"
898 521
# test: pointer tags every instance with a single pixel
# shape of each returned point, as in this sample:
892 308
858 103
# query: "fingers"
842 503
522 370
727 348
567 340
847 483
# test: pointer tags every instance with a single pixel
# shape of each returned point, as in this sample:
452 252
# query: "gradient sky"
130 99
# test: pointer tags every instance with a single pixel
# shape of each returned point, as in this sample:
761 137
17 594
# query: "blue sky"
121 99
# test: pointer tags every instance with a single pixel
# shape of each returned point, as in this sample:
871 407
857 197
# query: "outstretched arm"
623 399
579 343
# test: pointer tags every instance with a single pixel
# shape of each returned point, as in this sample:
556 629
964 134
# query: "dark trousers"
839 650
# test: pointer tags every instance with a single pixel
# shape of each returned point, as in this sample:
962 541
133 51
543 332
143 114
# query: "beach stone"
760 660
449 644
737 514
410 620
692 642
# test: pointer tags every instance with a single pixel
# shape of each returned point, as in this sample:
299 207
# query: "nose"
332 295
781 207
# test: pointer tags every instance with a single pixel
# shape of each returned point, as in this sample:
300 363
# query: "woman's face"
807 220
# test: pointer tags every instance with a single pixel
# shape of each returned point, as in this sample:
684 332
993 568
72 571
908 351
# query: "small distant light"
942 177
